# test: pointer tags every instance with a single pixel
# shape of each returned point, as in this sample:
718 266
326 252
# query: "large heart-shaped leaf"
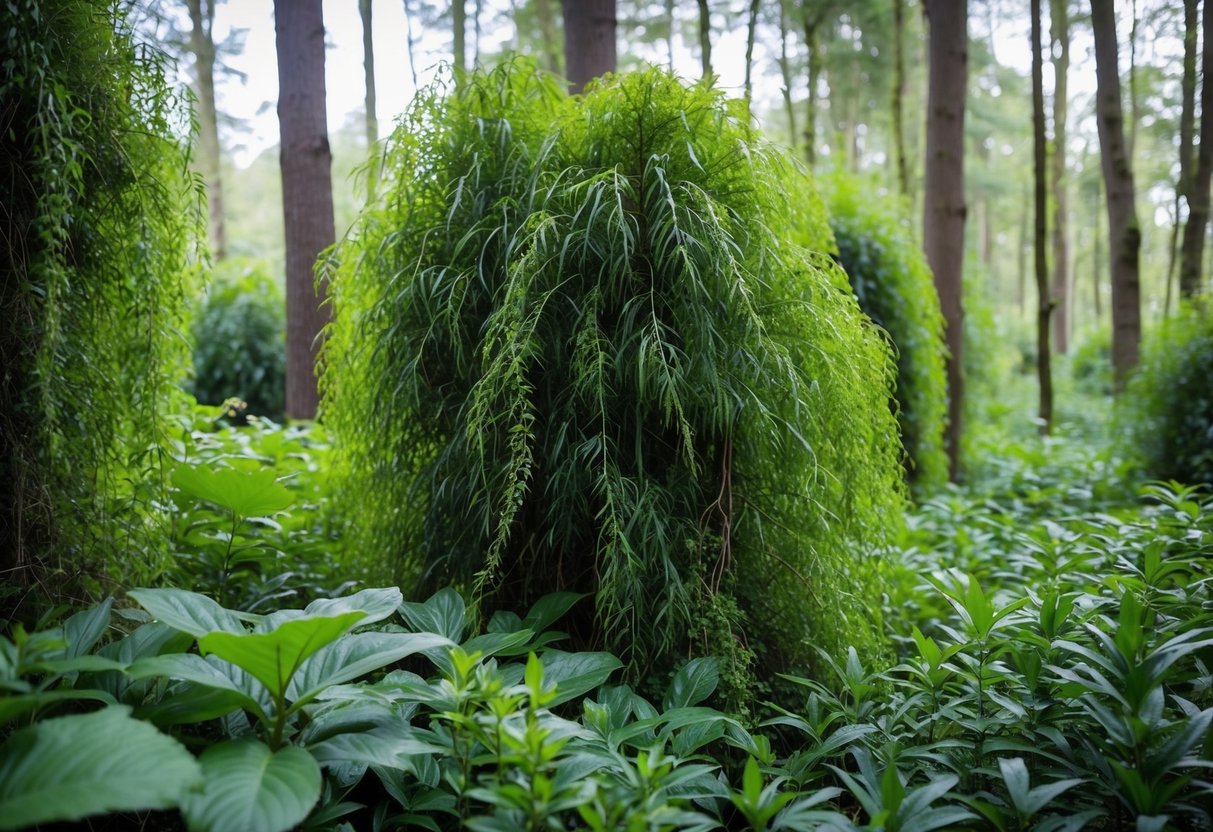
246 493
69 768
354 656
251 788
272 658
187 611
576 673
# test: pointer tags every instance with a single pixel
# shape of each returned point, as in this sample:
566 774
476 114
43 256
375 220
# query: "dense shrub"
575 347
100 214
240 341
894 286
1169 403
1091 362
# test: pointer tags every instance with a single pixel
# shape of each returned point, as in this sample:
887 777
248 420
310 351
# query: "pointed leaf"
694 682
251 788
444 613
187 611
575 674
377 604
353 656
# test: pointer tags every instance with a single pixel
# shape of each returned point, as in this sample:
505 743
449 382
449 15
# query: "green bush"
894 286
99 221
1091 362
239 336
576 347
1169 402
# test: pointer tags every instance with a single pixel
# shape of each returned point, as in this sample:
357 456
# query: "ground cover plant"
606 363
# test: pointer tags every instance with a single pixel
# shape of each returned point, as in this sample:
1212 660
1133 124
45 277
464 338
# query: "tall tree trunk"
899 92
751 28
1044 305
1134 103
672 24
410 41
547 31
1198 196
1021 256
307 190
372 118
202 45
1059 24
477 10
705 38
785 72
1097 260
459 26
943 197
1187 130
811 26
589 40
1124 234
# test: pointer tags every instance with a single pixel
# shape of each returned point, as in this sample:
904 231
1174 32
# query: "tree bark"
589 40
307 190
1187 130
1198 195
410 41
751 29
811 26
943 197
202 45
705 38
459 28
547 31
785 72
899 91
1044 304
1060 25
671 23
1124 234
372 118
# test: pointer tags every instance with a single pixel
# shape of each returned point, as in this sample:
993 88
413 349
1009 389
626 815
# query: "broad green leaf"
250 788
389 747
549 609
245 493
187 611
72 767
444 613
192 703
377 604
353 656
213 673
575 674
694 682
12 707
272 658
85 628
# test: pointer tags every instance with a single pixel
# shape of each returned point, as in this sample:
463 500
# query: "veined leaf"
69 768
245 493
694 682
253 789
575 674
187 611
354 656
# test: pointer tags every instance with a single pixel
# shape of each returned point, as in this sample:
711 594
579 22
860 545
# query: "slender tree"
1044 305
589 40
812 20
785 71
1198 196
899 92
372 118
671 26
943 195
459 26
202 47
410 40
751 29
307 190
1187 130
1059 24
547 32
1124 234
705 38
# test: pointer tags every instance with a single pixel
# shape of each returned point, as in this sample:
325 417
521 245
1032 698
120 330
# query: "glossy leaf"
248 787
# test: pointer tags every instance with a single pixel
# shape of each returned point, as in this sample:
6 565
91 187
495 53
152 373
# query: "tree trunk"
372 118
749 52
1060 25
1124 234
899 92
705 38
1021 256
1187 130
943 197
1044 305
810 127
477 10
1198 195
671 22
547 31
1134 103
410 41
459 27
307 190
589 40
1097 261
786 72
202 45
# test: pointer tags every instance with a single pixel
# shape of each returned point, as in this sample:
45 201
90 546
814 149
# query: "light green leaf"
444 613
377 604
355 656
246 493
272 658
390 747
69 768
575 674
694 682
253 789
187 611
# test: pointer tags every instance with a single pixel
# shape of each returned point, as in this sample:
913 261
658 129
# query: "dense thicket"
97 225
894 286
578 346
1169 406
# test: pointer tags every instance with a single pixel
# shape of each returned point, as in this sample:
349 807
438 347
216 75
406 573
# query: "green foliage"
239 337
1091 362
1169 403
580 344
100 218
894 285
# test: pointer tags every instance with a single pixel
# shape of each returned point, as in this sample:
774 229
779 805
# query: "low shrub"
1168 406
894 286
1091 362
239 335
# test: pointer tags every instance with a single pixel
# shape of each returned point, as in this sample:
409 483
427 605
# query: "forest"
606 414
